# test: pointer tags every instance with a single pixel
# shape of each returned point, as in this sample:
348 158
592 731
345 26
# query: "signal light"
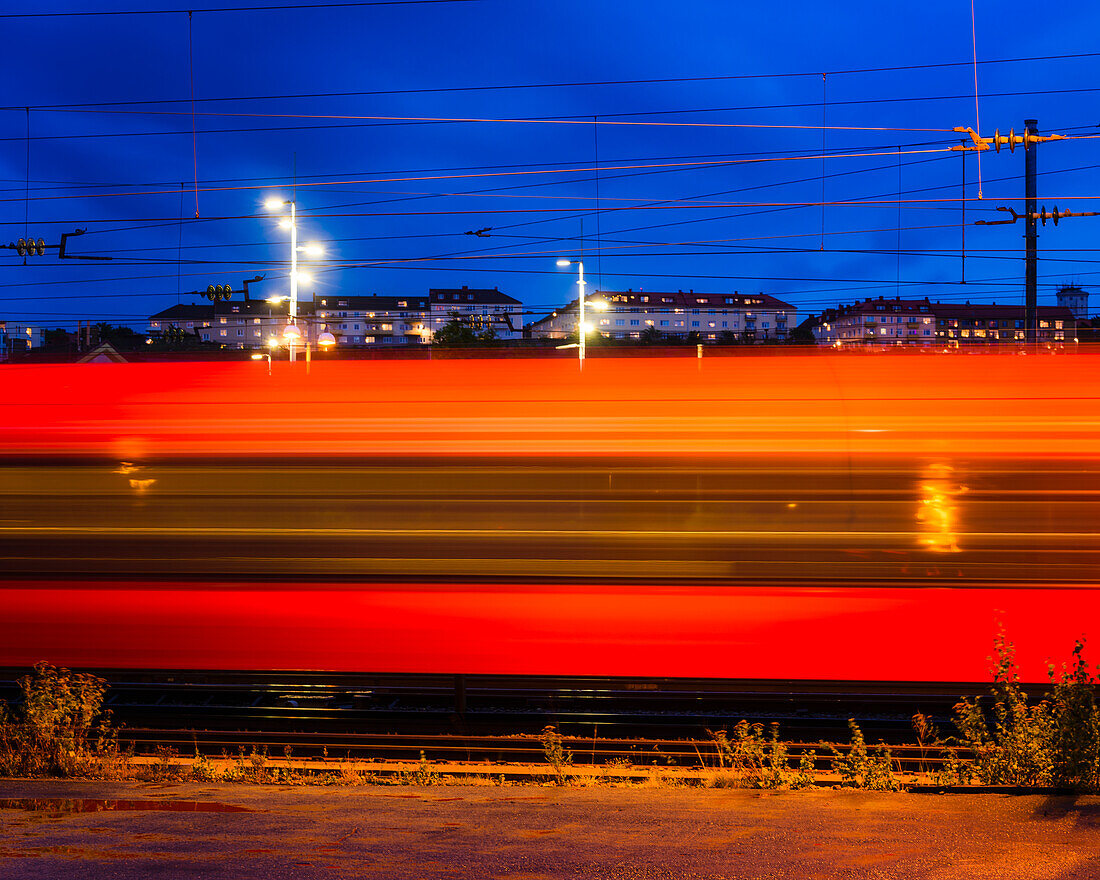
217 292
28 247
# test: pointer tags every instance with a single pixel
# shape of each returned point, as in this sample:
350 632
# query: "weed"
860 768
424 774
557 756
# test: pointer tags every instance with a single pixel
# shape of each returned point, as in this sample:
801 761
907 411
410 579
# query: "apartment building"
715 317
480 308
17 337
376 320
243 324
885 321
970 324
878 321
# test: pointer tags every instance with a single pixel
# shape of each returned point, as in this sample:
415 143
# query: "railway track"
345 711
480 752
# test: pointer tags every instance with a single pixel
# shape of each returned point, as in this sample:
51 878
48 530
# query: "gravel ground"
51 829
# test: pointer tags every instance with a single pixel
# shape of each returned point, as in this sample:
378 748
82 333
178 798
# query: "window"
725 323
663 323
469 297
221 320
666 299
695 311
206 337
402 303
729 301
633 322
255 332
355 326
764 325
254 321
645 299
927 332
221 333
240 333
694 323
619 322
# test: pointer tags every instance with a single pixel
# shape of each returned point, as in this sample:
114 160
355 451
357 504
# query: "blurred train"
810 516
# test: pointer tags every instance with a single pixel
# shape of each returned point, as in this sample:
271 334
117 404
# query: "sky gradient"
295 95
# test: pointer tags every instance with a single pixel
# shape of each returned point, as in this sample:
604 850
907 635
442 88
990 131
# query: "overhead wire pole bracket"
61 255
1010 140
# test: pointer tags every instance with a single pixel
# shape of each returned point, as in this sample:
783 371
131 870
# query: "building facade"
375 320
878 321
713 317
243 324
480 308
885 321
17 337
1076 300
967 324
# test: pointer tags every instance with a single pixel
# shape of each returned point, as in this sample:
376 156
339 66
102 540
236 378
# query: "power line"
269 8
563 84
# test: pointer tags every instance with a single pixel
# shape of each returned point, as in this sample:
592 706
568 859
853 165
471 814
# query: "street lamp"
582 330
312 249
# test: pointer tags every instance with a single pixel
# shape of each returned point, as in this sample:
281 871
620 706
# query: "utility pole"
1031 321
1030 141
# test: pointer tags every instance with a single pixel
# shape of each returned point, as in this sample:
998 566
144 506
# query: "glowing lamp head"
564 262
291 333
312 249
258 357
273 203
284 223
326 339
587 328
600 305
272 342
303 277
275 300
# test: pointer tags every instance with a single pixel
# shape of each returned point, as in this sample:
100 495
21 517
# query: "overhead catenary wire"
569 84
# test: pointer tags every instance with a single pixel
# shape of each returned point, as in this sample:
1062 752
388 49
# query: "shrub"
754 761
1054 742
61 711
861 768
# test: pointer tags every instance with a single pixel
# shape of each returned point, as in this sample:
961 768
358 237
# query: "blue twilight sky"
706 206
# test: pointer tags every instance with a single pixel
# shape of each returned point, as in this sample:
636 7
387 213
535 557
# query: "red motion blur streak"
825 634
989 405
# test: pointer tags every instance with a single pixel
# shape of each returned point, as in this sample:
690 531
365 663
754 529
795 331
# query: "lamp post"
312 249
581 329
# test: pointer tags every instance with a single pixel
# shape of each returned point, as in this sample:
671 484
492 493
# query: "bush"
1055 742
756 761
861 768
62 729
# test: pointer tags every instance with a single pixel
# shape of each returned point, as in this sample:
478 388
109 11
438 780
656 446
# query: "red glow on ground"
766 633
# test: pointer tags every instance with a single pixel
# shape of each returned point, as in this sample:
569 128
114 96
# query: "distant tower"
1074 299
